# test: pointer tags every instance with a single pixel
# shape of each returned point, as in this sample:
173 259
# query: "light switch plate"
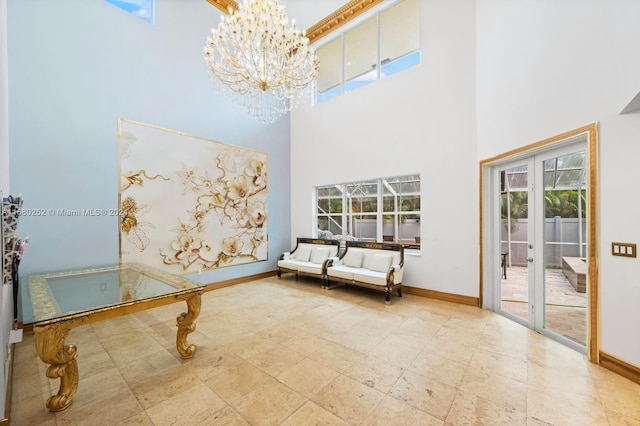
623 249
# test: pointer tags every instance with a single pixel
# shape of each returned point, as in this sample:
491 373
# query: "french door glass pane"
514 267
565 289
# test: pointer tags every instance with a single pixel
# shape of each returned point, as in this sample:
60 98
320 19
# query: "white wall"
75 67
4 101
419 121
545 67
6 302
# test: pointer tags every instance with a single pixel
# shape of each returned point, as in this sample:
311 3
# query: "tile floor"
285 352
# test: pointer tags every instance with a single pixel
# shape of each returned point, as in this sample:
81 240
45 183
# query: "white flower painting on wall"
189 204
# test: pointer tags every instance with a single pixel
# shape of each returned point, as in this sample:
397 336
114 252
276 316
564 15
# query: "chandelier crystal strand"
261 61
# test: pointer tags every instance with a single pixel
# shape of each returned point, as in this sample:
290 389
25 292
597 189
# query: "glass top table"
62 301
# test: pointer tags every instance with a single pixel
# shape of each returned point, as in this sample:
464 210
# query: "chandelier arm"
260 61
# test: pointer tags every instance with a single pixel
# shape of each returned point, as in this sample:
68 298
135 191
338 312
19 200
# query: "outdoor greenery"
563 203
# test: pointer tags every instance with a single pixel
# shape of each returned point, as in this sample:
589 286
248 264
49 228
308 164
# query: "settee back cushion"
380 262
353 258
303 253
319 254
369 254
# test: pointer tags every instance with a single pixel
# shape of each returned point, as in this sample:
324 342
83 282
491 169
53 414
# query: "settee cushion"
342 271
353 258
310 268
319 254
289 263
380 262
370 277
303 253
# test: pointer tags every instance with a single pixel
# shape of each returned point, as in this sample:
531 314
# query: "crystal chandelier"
260 61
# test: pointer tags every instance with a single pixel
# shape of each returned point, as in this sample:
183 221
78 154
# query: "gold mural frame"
593 207
188 204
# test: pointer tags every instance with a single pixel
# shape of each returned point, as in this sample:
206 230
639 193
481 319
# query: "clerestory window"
382 45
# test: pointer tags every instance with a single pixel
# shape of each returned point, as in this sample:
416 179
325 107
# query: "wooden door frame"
593 273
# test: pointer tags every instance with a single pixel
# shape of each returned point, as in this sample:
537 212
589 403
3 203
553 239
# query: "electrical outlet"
623 249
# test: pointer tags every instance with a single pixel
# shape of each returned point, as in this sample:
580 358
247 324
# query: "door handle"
529 259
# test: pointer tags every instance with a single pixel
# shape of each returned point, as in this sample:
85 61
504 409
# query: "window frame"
360 208
410 58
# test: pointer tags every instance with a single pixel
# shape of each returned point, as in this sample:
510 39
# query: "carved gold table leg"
51 349
187 325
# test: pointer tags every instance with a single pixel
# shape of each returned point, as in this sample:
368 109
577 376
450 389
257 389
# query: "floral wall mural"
189 204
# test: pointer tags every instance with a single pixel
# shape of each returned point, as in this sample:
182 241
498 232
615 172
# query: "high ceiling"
318 17
308 12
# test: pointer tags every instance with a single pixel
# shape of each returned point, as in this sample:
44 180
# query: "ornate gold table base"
50 341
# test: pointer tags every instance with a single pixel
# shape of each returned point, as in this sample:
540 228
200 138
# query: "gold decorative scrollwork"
186 324
51 349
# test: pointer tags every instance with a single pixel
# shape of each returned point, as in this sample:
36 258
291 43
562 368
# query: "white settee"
309 257
373 265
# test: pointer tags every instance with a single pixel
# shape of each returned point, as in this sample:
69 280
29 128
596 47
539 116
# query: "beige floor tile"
557 409
225 417
349 399
271 403
210 360
447 371
495 388
425 393
96 386
276 359
196 404
305 343
25 350
375 373
33 381
159 388
396 352
561 382
491 362
227 335
458 333
96 363
553 355
458 350
281 332
311 414
238 380
127 337
110 409
308 377
323 357
137 369
250 346
134 349
423 323
392 412
32 411
623 400
140 419
617 419
336 356
360 340
470 409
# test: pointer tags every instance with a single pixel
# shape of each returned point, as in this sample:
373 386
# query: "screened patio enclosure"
385 209
565 211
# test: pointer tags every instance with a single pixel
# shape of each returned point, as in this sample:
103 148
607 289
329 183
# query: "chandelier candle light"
260 61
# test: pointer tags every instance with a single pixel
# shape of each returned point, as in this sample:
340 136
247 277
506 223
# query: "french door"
540 204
